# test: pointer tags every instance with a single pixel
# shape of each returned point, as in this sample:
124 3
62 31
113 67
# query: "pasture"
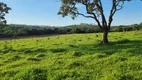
73 57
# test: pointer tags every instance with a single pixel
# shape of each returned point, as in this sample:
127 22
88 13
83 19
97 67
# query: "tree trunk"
105 37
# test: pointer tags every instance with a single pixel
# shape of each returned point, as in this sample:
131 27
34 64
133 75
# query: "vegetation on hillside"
29 30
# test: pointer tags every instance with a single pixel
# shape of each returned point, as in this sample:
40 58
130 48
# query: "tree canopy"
4 9
94 9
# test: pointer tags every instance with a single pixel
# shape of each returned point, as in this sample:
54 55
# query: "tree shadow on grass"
134 46
128 46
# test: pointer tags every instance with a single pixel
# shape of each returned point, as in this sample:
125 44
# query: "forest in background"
15 30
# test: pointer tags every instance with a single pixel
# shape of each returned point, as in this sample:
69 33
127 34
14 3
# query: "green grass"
73 57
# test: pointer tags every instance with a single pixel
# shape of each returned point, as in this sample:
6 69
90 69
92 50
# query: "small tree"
4 9
94 9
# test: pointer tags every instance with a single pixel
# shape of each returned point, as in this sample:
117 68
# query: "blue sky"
44 12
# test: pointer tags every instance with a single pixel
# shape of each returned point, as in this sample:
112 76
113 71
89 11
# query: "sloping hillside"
73 57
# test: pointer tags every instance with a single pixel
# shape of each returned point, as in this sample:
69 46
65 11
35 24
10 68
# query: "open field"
73 57
34 36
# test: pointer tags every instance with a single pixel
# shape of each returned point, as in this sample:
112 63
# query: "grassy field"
73 57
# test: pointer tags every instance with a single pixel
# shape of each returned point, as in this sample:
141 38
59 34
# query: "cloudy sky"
44 12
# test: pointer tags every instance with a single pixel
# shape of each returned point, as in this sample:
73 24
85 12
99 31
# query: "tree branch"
84 15
99 6
114 9
94 15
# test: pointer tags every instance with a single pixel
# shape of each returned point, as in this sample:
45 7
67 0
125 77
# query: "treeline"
122 28
14 30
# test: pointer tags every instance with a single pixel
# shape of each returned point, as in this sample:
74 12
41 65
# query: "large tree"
4 9
94 9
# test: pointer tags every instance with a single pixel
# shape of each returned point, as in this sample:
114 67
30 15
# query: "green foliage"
73 57
4 9
32 74
75 53
93 8
28 30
